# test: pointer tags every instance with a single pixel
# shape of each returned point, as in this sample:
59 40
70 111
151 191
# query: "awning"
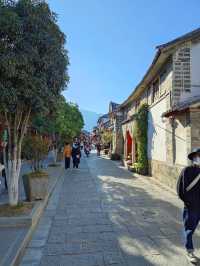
192 102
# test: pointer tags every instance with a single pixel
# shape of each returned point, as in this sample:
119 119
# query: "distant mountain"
90 119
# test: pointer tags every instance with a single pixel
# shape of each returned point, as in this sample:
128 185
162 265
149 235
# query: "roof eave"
164 49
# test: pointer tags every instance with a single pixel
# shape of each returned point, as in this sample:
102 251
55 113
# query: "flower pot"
35 185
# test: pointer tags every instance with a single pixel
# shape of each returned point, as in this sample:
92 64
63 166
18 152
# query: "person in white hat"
188 189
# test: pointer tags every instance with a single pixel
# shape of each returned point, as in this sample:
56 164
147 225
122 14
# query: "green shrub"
35 149
139 168
140 134
37 174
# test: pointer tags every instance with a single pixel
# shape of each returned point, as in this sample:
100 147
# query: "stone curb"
15 252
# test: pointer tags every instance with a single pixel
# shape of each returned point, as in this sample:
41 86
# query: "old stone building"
103 122
171 88
116 118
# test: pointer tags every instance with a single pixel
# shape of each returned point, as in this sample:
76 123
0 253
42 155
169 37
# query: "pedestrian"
3 172
87 149
76 154
98 147
188 189
67 155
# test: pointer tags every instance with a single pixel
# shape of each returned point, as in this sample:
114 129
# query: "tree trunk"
17 125
13 172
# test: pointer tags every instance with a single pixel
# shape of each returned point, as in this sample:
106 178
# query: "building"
103 122
171 88
116 118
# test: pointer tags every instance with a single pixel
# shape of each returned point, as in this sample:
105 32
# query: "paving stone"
37 243
50 261
83 260
84 236
32 257
58 237
113 258
54 249
82 246
97 228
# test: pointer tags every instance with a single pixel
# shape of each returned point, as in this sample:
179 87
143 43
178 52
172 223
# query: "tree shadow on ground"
146 219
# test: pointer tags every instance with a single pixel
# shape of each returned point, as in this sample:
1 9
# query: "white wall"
157 132
180 141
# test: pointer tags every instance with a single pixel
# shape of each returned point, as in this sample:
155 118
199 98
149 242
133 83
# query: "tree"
33 72
35 148
69 120
106 137
66 121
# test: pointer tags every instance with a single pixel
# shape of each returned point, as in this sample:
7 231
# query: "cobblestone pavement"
100 215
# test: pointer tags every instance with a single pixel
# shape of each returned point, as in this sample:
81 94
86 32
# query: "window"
137 104
149 96
155 95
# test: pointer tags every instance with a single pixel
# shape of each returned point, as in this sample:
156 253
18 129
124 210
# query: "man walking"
188 189
76 154
67 155
98 147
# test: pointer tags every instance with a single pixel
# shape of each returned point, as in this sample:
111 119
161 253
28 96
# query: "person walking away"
3 171
188 189
67 155
87 149
98 147
76 154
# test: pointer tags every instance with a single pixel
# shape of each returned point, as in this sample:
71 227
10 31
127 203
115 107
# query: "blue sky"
111 43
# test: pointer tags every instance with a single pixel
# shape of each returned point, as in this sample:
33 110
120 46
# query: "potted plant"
35 149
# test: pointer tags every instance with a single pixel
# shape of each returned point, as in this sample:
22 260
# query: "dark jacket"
190 198
76 151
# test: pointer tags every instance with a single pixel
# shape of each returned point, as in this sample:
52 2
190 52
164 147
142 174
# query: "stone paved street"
100 215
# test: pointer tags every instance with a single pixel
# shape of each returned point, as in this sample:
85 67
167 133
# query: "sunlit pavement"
101 215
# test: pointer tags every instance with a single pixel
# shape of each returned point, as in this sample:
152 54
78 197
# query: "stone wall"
165 173
117 139
181 82
178 146
195 128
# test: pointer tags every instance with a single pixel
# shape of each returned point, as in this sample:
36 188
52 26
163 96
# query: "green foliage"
33 61
37 174
33 71
140 134
66 121
106 137
35 149
69 120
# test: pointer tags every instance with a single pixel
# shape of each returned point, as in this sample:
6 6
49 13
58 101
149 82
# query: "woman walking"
67 155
